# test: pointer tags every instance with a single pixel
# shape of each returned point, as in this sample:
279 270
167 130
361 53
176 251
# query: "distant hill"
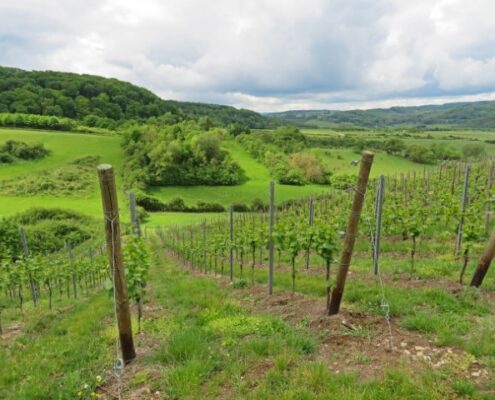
97 100
473 115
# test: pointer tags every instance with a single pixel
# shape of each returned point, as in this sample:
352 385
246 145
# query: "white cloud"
264 54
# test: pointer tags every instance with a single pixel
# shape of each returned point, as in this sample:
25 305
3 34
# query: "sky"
265 55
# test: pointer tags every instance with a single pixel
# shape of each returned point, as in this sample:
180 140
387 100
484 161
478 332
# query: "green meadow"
66 147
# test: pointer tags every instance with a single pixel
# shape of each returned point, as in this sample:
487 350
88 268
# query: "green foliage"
283 152
34 121
473 150
74 178
47 230
137 264
100 102
151 203
179 154
23 151
476 115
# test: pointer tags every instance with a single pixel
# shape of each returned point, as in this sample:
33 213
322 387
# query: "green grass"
339 162
58 354
65 147
210 346
255 187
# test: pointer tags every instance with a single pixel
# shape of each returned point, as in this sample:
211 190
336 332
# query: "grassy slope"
339 162
207 344
65 147
255 187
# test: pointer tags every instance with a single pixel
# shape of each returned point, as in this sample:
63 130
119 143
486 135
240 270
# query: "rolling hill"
102 102
473 115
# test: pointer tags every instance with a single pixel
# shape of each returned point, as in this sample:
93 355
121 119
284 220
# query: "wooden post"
379 206
72 268
271 223
231 238
134 216
484 263
114 250
351 232
458 241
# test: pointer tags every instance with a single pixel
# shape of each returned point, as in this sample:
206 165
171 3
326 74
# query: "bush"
240 207
149 203
209 207
6 158
176 204
473 150
23 150
46 231
179 154
258 205
36 121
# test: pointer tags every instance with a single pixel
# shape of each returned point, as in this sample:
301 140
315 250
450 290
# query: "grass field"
255 187
203 338
339 162
67 147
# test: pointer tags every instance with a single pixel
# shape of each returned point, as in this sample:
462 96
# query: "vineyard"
406 256
445 212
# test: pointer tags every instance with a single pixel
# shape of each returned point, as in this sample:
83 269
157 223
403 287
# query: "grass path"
204 339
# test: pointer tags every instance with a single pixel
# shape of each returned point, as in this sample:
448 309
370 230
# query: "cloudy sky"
267 55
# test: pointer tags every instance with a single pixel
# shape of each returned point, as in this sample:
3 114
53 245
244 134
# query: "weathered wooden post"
114 250
484 263
351 232
271 223
136 227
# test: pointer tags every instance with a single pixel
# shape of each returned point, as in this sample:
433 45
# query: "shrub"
23 150
258 205
176 204
6 158
149 203
240 207
209 207
473 150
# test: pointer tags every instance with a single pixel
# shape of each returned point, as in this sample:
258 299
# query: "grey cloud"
263 54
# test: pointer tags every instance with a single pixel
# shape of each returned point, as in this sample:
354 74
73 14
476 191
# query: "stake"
134 216
25 249
114 250
71 261
270 236
310 221
484 263
379 206
231 237
352 229
458 241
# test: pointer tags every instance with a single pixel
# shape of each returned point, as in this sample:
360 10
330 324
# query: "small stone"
476 373
403 344
419 348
